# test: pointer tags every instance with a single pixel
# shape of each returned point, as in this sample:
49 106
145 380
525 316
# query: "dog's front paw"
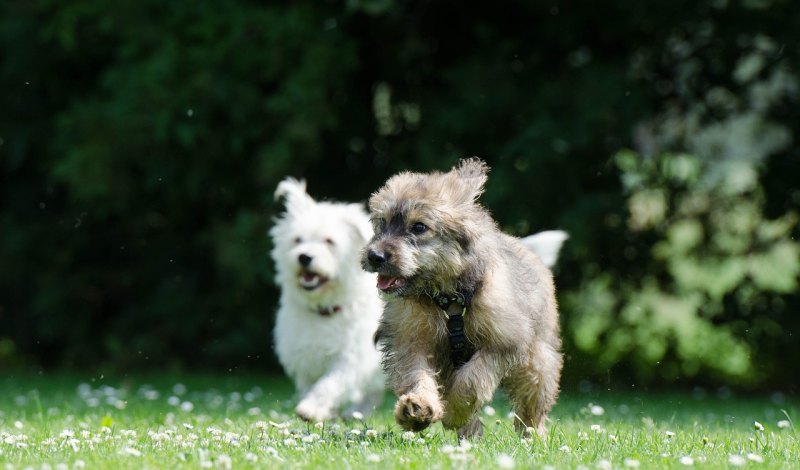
310 411
413 413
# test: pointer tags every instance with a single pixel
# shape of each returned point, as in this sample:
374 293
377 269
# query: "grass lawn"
70 422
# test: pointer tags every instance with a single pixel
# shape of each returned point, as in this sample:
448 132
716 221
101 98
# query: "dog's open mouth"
389 283
310 280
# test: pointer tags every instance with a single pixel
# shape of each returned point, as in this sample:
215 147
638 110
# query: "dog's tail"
294 191
546 245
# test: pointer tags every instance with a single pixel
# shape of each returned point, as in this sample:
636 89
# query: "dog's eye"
419 228
330 241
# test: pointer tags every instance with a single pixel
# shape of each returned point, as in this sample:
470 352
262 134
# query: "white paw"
310 411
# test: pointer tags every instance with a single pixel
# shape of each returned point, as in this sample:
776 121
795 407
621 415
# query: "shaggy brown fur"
433 238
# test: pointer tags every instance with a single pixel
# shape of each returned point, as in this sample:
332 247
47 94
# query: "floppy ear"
294 191
472 173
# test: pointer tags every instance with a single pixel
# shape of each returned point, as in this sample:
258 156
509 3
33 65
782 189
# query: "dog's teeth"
386 282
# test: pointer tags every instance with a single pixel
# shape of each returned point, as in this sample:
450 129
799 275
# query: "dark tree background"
141 141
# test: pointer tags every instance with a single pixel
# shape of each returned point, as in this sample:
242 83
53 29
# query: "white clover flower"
355 432
261 425
604 465
597 410
736 460
187 406
373 458
612 437
223 461
372 433
669 434
271 451
179 389
489 411
448 449
251 457
686 460
283 425
530 431
151 395
61 466
231 438
173 401
784 424
632 463
254 411
79 464
188 426
583 436
319 425
505 461
67 434
357 415
289 442
18 424
120 404
565 448
408 435
464 445
758 426
596 428
132 451
755 458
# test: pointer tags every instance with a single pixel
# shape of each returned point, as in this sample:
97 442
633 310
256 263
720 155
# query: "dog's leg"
324 397
472 386
419 404
471 430
533 388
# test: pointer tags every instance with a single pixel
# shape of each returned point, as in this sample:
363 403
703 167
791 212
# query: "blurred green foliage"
140 143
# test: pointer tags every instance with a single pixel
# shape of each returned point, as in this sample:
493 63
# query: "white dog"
329 306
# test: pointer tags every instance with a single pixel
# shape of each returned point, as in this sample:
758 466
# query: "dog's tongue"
387 282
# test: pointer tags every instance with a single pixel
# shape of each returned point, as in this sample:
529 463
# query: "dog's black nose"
377 258
304 260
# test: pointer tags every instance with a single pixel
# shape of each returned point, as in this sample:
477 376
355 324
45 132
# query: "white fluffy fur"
546 245
331 359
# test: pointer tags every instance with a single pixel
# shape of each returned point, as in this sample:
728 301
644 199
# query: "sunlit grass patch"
247 422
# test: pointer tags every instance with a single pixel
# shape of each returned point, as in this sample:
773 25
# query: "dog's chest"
308 345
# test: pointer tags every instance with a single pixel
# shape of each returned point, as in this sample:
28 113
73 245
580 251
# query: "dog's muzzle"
377 259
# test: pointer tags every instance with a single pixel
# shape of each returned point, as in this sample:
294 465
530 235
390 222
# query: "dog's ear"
294 191
359 220
472 173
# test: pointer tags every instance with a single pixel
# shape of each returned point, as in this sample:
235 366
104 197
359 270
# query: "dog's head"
425 228
316 244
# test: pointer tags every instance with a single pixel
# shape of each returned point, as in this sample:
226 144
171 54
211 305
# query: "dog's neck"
463 298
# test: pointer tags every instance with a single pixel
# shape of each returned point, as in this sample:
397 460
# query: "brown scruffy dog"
468 308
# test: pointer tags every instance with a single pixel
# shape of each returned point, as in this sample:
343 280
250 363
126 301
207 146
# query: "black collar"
328 311
455 307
